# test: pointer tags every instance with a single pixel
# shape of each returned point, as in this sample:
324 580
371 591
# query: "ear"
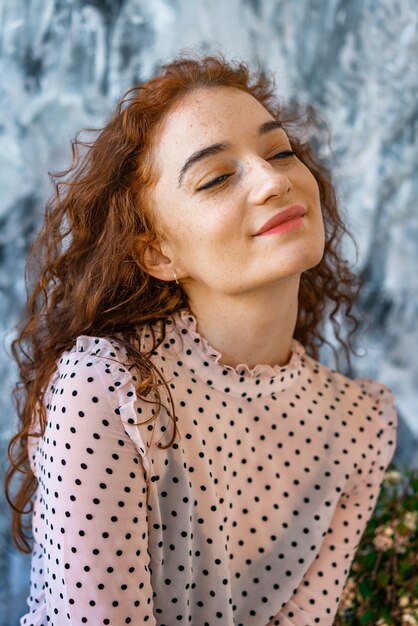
156 262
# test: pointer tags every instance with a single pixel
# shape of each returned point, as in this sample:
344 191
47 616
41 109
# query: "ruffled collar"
205 361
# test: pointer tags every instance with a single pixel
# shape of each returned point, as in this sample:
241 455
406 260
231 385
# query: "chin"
312 260
305 255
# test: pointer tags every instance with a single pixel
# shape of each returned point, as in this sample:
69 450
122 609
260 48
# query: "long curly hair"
86 275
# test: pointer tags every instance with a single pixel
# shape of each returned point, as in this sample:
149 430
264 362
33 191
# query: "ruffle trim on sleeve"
387 412
129 408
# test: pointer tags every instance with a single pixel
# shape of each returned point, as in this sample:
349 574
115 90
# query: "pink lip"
286 220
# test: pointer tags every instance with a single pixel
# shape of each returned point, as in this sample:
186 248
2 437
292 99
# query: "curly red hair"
84 268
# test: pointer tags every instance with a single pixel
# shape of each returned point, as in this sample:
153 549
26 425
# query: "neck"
254 328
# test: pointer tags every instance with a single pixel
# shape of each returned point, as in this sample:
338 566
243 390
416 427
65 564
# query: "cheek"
308 182
210 224
188 234
174 225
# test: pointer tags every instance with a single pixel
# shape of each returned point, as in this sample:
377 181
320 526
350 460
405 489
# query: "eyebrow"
215 148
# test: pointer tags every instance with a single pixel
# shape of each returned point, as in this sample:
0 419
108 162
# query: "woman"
191 461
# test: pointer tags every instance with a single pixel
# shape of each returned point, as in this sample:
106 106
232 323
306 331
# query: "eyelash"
216 181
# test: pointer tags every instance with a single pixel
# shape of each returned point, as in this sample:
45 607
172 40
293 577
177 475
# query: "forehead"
208 114
208 107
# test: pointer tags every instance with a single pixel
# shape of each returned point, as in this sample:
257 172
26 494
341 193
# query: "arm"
316 599
92 484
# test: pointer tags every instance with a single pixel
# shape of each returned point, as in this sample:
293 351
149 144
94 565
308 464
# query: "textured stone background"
64 64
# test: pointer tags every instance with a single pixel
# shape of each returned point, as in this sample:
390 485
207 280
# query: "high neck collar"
206 362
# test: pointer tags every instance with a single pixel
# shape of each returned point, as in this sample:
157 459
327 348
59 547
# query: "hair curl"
88 277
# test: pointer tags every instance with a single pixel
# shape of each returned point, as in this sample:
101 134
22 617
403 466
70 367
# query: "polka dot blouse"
251 518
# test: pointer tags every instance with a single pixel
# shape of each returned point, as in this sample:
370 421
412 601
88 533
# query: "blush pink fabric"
252 517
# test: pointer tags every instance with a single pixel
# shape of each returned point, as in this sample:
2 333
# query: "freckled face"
210 218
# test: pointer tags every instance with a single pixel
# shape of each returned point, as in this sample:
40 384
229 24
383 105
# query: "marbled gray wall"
64 64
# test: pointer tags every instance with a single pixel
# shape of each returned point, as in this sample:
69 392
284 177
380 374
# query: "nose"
267 181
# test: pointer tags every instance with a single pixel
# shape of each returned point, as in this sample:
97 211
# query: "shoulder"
374 403
367 406
98 348
96 373
93 363
378 397
363 394
385 410
103 355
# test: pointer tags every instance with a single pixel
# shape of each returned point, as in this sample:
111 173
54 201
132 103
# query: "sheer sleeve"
316 599
90 519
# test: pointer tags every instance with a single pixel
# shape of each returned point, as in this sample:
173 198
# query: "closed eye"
283 155
219 179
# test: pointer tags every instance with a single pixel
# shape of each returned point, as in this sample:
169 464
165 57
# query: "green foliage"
382 586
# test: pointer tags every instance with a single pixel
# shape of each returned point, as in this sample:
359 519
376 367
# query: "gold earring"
175 277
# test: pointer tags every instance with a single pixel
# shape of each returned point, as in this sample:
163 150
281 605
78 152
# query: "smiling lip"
293 213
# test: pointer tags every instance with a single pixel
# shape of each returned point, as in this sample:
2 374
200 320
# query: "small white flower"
393 477
400 549
410 519
383 543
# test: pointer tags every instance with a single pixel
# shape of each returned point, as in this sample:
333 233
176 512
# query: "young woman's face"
211 208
